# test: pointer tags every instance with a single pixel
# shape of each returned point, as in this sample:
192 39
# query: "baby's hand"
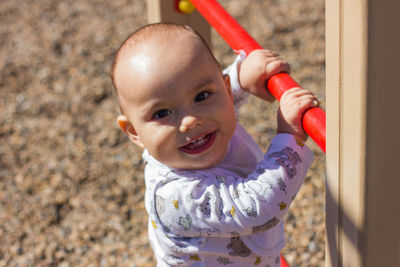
256 68
294 102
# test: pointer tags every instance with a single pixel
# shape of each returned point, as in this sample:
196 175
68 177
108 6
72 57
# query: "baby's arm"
208 203
239 95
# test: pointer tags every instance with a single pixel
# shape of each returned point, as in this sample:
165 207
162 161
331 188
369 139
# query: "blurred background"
71 184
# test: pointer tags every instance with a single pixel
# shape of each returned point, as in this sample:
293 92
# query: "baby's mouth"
199 144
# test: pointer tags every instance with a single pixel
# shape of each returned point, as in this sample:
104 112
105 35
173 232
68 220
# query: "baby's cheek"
159 142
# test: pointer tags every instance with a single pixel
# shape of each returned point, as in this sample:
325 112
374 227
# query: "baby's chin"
192 165
197 164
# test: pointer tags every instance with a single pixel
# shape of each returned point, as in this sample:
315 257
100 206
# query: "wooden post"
164 11
363 133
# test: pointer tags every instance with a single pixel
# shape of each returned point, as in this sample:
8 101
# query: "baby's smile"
199 144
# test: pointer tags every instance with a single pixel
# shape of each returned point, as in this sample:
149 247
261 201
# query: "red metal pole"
284 262
238 39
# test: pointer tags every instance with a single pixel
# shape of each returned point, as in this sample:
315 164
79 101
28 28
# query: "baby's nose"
189 122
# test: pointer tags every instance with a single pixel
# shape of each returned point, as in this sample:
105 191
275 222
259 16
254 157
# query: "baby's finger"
276 66
305 102
269 53
297 92
291 94
299 104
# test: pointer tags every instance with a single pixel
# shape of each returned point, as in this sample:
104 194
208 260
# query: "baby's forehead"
157 51
156 48
162 42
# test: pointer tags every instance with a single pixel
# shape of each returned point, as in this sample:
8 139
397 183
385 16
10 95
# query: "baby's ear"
127 127
227 81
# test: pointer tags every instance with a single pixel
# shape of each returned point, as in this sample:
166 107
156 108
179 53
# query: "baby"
212 197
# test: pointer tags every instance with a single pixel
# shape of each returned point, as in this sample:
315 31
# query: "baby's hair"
154 30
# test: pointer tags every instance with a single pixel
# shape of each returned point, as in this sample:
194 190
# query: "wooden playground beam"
363 144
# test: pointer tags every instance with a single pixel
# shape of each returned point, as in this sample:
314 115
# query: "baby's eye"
161 113
202 96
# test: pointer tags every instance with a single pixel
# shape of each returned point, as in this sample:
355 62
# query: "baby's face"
178 104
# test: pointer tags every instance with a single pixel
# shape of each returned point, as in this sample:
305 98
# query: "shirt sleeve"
239 96
201 203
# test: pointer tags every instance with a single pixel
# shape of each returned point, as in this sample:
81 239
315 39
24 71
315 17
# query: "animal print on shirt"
268 225
238 248
288 159
185 222
205 205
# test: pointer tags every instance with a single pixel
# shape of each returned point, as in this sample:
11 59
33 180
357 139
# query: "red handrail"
238 39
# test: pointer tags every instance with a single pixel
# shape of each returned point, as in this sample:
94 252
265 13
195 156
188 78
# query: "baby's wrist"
234 72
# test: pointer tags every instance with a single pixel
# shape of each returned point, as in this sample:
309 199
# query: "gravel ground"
71 184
